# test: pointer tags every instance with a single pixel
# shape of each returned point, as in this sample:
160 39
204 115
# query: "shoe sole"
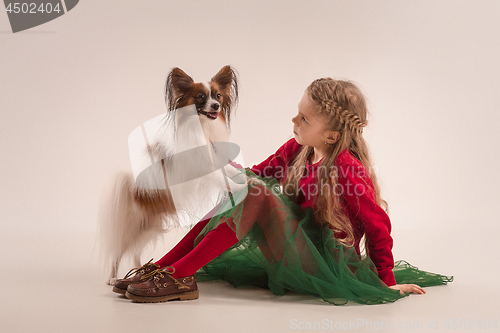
119 291
157 299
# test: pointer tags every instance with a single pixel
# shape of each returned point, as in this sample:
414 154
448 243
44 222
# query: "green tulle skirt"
281 248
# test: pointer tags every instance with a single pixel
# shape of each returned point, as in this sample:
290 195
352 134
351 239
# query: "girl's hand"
409 288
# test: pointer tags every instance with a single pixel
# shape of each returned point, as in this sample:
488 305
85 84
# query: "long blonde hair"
343 107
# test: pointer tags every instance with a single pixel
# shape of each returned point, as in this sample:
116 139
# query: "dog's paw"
255 181
111 281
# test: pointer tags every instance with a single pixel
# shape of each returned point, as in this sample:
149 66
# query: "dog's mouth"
210 115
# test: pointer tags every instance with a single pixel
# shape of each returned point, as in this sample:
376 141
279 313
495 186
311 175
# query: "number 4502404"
30 8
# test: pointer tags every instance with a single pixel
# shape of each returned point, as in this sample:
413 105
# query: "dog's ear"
178 83
181 81
227 81
224 77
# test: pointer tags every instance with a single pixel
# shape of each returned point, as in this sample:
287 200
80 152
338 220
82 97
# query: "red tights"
187 259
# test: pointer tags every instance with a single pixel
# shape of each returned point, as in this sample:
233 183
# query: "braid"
351 120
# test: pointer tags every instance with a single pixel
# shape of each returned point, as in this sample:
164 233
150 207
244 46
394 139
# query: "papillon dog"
186 168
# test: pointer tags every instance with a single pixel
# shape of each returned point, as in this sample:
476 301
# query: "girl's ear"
332 137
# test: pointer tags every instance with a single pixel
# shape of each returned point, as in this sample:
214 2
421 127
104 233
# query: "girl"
310 210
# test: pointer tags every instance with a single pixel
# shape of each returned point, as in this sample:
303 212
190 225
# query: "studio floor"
55 285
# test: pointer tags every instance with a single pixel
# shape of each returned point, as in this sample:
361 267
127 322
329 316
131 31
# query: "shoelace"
135 270
159 272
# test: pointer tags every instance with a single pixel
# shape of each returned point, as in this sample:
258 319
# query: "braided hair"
341 106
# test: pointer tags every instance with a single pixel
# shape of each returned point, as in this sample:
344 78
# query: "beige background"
72 90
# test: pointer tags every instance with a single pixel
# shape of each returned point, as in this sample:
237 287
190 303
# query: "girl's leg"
258 207
186 244
215 243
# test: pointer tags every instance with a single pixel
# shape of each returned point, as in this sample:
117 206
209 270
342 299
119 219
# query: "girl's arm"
276 164
359 194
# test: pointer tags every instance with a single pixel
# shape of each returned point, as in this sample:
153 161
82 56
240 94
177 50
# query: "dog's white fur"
126 228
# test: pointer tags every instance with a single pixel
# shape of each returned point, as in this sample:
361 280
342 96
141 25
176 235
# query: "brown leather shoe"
163 287
135 275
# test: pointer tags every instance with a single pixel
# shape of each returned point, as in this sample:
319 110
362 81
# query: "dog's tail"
119 219
129 219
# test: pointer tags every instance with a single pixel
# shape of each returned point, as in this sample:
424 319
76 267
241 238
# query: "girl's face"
308 127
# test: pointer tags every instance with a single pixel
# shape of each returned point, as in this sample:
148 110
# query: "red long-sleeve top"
358 200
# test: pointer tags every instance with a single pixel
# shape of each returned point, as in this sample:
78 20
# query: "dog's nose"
215 106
